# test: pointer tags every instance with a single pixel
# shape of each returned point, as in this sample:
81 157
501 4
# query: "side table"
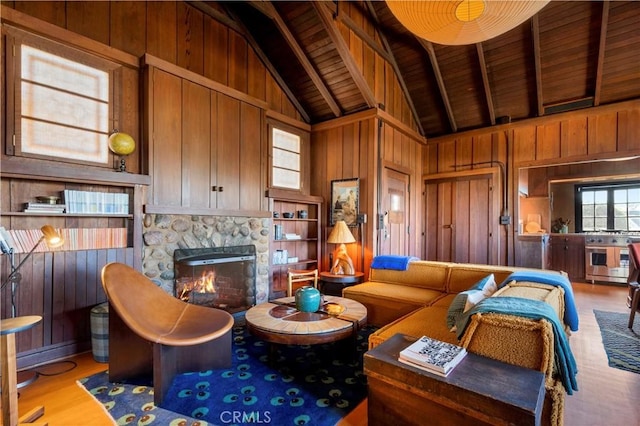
479 391
332 284
8 328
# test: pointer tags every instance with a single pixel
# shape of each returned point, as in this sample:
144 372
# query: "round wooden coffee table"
278 321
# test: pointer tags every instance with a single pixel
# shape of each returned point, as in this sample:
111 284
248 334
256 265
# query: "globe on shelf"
121 144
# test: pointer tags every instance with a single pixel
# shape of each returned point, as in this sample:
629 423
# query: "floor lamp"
52 239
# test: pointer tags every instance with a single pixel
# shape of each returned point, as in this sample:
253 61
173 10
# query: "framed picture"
345 197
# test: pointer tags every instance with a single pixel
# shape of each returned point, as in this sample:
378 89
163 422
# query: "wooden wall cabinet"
306 249
205 147
566 253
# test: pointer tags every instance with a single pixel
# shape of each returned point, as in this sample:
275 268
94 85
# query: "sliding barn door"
462 219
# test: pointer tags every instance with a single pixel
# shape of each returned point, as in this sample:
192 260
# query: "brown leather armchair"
633 300
154 333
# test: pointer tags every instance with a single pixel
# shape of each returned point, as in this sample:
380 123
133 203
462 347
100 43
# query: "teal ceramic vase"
308 299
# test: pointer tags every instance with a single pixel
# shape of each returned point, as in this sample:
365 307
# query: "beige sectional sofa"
416 302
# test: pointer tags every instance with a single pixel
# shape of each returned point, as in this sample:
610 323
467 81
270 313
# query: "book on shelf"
433 355
43 208
292 237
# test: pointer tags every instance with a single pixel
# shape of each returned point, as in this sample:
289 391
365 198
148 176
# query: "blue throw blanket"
399 263
565 363
542 277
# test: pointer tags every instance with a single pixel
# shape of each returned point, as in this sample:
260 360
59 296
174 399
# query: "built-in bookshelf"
295 242
25 240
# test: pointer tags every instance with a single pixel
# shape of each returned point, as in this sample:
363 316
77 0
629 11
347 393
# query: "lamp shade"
51 237
464 21
340 234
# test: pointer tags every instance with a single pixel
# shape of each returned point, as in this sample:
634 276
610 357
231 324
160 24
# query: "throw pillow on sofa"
470 298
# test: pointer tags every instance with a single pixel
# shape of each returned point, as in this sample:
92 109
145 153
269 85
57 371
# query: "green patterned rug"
621 344
304 385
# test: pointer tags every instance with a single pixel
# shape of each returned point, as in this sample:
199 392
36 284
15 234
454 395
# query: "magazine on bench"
433 355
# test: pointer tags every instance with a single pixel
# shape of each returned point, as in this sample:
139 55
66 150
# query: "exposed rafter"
426 45
485 83
535 35
236 24
601 50
343 50
270 11
394 64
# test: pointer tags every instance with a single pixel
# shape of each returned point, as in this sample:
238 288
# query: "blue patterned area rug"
303 385
621 344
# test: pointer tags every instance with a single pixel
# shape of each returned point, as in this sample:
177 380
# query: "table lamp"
52 239
342 263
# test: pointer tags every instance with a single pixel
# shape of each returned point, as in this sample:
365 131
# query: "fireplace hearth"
218 277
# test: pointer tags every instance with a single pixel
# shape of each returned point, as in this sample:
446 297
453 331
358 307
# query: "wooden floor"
606 396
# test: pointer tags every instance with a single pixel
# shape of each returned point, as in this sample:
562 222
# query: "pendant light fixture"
463 21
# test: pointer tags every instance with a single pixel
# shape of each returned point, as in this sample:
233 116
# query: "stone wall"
164 233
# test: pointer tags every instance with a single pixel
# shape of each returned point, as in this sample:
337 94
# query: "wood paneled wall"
360 146
576 137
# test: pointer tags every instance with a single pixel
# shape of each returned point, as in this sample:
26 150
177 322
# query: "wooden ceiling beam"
343 50
234 23
428 47
601 50
371 42
535 34
268 9
485 83
392 60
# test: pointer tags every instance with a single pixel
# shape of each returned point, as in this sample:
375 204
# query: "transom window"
63 101
615 207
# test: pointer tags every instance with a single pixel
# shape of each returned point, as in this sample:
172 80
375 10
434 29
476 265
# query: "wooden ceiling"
571 55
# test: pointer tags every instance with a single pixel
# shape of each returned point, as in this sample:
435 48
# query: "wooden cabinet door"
196 145
566 253
166 150
227 145
461 219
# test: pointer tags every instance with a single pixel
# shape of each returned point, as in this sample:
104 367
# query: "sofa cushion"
469 298
427 321
463 276
420 274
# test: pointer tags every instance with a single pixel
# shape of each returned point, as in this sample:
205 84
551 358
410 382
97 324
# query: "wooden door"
196 145
394 237
461 219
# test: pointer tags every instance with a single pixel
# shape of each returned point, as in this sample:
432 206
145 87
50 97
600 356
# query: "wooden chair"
153 333
633 300
296 276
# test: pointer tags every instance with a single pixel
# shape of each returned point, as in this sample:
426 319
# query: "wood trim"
66 37
626 105
535 35
288 120
31 168
612 156
400 126
160 209
494 172
284 195
348 22
344 120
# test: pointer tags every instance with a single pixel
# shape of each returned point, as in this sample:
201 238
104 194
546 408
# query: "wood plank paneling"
190 38
127 26
603 135
88 18
251 181
573 137
216 45
548 141
162 30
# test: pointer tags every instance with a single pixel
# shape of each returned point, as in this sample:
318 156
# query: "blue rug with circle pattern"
300 385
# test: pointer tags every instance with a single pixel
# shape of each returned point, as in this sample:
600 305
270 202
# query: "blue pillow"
470 298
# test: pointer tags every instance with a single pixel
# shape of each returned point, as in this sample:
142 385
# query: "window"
286 159
63 101
612 206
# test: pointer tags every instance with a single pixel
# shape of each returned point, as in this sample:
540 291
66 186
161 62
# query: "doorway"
394 238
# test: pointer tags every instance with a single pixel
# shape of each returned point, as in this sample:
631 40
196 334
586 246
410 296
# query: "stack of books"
43 208
433 355
292 236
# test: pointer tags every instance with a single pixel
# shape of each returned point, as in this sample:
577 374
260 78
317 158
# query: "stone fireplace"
163 234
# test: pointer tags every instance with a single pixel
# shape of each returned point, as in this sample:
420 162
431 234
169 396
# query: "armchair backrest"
634 263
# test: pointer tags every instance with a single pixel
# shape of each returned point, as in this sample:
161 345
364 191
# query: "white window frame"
287 157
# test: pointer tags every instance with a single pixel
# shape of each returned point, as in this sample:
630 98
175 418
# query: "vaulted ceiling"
571 55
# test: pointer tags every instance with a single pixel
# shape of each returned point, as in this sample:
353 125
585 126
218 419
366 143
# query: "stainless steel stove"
607 256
